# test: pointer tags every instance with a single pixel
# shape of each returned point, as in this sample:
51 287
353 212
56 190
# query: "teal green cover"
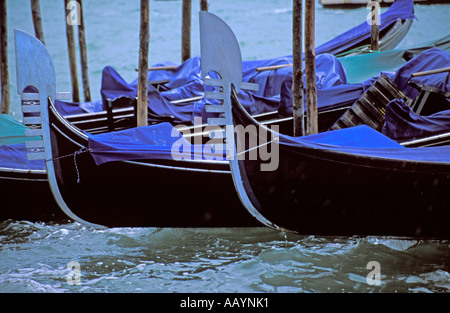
12 131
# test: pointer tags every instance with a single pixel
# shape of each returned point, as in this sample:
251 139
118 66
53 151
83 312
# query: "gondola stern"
221 54
36 84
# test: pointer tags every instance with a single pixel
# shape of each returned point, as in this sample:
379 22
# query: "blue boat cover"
186 82
160 141
156 142
360 136
14 156
402 124
389 149
164 142
71 108
428 60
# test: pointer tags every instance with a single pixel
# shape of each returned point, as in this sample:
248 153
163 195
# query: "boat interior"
369 109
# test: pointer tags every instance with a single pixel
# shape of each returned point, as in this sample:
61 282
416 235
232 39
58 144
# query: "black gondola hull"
146 193
25 195
324 192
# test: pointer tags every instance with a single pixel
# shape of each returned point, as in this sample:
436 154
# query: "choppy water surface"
34 258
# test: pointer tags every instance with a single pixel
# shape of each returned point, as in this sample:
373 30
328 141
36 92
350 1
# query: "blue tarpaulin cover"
360 136
160 141
402 124
157 141
14 156
428 60
186 82
148 142
390 151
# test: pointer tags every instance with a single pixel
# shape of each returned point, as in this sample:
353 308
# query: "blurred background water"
34 256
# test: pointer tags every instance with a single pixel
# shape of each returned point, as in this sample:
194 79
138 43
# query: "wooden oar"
273 67
436 71
161 68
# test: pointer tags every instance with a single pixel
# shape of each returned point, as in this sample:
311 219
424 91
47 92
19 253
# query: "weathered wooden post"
374 25
37 20
310 68
204 5
83 53
71 13
186 31
5 106
144 38
297 60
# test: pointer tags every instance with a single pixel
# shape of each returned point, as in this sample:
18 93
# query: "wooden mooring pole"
204 5
310 68
297 59
144 38
70 11
5 106
374 26
83 54
37 20
186 30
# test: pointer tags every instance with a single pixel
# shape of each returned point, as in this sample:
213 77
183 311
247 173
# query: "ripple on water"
34 258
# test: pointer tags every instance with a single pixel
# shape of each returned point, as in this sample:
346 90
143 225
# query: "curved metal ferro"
35 68
221 54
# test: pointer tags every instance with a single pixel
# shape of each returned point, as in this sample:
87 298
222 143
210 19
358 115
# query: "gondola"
348 182
119 193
